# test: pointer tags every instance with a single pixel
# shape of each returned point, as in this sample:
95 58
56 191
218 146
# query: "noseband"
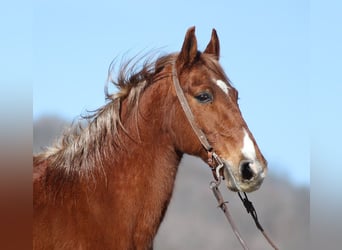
216 164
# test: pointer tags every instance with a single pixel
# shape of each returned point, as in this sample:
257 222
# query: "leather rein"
216 164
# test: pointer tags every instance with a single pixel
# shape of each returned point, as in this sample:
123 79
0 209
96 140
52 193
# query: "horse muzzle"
247 177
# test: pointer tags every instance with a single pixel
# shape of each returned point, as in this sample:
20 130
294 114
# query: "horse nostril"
246 171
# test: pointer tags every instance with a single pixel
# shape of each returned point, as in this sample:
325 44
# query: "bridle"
216 164
214 161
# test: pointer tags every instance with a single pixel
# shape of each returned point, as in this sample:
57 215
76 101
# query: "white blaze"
223 86
248 149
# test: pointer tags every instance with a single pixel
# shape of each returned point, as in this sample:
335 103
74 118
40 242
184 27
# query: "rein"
216 164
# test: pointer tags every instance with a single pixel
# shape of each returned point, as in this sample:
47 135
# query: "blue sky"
265 48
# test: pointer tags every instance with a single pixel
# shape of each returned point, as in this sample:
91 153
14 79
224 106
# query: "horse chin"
230 186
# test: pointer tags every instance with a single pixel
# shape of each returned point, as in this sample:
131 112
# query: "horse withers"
107 185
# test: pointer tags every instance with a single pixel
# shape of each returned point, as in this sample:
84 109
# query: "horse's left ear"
213 46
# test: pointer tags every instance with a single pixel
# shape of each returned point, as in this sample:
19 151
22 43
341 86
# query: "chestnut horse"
107 185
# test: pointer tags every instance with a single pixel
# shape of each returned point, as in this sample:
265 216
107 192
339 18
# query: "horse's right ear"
189 49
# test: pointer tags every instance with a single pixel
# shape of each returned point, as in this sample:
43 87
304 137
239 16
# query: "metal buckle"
219 166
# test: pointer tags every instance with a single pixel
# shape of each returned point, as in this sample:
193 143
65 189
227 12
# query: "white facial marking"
248 149
223 86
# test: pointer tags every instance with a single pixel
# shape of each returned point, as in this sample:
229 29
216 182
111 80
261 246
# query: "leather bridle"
214 160
216 164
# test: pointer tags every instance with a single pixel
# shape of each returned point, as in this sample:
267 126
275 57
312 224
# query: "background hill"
194 222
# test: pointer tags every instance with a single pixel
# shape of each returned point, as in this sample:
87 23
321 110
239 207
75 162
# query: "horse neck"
147 146
142 175
124 180
142 149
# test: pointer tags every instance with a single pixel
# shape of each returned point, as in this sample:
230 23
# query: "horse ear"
213 46
189 48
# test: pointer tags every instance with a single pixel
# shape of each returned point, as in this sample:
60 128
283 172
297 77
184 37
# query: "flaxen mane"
79 153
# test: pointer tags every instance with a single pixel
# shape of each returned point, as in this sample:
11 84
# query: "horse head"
213 102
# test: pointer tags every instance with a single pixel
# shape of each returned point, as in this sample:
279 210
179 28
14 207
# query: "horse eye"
204 97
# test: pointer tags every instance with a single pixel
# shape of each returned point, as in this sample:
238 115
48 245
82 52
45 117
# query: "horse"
107 184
